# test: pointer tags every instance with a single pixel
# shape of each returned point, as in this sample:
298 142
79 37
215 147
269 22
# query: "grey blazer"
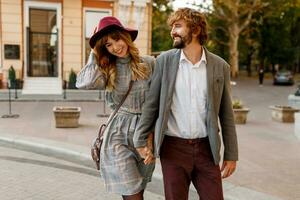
156 109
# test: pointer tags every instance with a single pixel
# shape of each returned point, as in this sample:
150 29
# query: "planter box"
297 125
283 113
240 115
1 79
66 117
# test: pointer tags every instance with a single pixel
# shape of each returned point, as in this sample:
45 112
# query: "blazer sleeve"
90 76
150 108
227 119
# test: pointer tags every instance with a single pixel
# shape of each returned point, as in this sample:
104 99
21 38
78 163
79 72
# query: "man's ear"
196 31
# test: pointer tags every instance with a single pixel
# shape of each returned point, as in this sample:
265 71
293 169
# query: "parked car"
283 77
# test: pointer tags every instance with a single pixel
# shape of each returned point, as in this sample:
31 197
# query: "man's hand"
228 167
146 152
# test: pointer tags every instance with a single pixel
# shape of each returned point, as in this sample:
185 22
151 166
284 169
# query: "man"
188 97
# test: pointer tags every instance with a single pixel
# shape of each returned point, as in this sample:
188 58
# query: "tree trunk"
233 49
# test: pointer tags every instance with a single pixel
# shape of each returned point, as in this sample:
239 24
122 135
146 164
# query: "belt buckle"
190 141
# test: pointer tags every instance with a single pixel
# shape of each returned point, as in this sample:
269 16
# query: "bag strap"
118 107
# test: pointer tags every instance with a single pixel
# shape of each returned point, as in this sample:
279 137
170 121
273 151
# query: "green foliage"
12 77
237 104
217 36
273 35
161 39
280 34
11 74
72 80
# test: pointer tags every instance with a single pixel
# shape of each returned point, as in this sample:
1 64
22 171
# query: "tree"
279 34
161 39
236 15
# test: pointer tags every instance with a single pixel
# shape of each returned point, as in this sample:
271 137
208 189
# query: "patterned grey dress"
121 166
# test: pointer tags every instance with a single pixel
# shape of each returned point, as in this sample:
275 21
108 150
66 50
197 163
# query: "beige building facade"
45 39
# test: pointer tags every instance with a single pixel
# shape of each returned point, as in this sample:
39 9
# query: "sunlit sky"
189 3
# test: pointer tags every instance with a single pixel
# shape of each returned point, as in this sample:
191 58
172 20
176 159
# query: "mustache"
176 35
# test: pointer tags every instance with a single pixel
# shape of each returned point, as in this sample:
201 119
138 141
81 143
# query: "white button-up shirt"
187 117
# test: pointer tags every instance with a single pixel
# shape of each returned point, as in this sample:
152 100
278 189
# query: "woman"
113 63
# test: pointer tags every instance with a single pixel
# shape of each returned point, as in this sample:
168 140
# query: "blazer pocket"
218 83
218 88
219 80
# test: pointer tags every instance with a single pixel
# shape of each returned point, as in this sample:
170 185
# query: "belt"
186 141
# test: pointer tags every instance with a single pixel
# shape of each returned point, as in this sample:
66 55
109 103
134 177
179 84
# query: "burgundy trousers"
189 160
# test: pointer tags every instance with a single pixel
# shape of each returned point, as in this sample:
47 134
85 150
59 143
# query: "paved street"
269 152
26 175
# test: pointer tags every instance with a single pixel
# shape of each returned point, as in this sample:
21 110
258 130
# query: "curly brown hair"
107 61
194 20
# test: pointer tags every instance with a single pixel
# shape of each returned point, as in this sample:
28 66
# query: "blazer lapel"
210 74
172 69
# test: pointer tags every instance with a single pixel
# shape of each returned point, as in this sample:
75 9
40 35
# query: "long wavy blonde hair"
107 61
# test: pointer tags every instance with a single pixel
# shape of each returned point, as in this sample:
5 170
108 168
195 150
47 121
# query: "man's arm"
150 108
228 127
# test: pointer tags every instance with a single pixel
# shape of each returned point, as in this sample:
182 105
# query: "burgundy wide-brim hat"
108 24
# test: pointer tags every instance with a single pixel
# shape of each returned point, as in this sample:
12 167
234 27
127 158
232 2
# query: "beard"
184 40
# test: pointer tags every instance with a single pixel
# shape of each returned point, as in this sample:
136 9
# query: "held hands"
146 152
228 167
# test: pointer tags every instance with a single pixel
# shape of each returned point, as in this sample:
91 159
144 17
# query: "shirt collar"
184 58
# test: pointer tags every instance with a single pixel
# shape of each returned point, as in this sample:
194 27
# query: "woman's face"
117 47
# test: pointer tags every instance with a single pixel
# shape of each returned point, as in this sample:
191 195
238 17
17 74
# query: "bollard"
64 89
99 95
9 115
104 114
297 125
16 91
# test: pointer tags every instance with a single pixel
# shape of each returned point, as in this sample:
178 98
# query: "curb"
75 154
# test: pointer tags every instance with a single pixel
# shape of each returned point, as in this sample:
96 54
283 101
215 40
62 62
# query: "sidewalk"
268 168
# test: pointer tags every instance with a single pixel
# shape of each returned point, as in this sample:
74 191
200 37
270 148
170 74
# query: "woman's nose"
115 47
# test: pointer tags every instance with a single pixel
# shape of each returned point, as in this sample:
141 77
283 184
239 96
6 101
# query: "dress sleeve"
90 77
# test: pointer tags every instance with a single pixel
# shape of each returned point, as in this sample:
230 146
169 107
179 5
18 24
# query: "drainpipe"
149 42
1 32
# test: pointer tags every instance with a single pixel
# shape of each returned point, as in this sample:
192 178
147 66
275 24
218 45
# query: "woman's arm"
90 77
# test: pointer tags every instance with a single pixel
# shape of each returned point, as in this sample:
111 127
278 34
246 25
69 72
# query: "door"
43 43
42 33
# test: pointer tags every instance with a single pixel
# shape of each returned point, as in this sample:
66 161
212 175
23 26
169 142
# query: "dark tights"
138 196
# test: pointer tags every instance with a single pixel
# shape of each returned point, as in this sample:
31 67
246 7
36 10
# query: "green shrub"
237 104
72 80
12 77
11 74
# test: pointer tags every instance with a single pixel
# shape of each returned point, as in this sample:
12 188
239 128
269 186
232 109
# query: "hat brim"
133 33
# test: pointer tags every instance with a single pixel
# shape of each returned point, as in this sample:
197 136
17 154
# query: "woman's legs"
138 196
